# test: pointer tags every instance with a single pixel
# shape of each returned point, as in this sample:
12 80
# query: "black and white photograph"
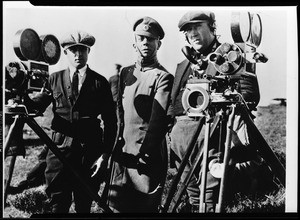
186 110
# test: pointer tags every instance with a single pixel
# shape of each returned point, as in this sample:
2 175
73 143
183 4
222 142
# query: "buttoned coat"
76 125
142 106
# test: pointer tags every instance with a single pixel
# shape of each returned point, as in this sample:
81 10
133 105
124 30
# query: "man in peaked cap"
79 97
139 166
199 30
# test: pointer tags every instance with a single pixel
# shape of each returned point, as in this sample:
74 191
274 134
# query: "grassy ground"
271 121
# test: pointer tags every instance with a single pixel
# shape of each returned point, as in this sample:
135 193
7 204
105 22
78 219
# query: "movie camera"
223 68
36 54
212 92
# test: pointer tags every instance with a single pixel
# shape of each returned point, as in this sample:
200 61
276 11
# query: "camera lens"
196 99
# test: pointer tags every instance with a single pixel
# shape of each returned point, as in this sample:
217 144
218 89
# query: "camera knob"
226 47
225 67
233 56
216 58
260 57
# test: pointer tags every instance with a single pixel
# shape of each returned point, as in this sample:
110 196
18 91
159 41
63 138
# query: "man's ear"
135 47
89 49
158 44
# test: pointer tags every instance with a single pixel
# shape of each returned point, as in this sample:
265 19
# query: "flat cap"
195 17
149 27
77 38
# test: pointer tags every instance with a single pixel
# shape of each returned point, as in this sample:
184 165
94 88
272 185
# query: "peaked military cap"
195 17
77 38
149 27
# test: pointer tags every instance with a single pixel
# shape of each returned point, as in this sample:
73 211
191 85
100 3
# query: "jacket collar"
144 65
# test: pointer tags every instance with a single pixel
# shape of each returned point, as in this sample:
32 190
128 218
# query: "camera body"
215 78
30 74
36 54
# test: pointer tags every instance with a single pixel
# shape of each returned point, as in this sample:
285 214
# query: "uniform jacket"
142 107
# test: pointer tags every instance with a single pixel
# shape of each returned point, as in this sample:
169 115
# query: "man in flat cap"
79 97
140 165
199 30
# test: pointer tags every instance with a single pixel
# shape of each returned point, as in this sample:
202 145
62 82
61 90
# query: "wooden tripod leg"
223 185
198 158
264 149
202 205
183 163
17 124
10 173
52 146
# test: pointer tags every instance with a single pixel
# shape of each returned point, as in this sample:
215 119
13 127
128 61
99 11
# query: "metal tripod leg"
184 161
191 172
52 146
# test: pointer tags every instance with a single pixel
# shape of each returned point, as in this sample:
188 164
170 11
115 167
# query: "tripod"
21 116
215 123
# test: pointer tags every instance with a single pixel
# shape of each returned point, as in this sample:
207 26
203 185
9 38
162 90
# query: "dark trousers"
63 186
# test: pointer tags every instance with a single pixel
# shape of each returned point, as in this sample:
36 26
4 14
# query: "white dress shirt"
81 75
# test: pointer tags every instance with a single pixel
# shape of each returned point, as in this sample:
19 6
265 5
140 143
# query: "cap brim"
190 22
77 44
147 34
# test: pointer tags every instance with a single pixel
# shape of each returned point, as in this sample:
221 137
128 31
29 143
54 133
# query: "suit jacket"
76 127
73 116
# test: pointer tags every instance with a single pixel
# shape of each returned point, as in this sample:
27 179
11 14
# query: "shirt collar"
81 71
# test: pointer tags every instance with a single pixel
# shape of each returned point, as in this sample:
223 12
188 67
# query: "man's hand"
100 164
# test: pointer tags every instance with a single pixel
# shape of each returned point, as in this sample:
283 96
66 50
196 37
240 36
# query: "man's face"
147 46
77 56
199 35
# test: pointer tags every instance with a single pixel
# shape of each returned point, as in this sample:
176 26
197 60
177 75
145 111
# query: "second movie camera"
215 78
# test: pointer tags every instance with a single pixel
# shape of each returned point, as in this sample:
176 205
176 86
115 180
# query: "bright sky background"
112 28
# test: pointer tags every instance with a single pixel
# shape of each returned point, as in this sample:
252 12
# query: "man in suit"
140 163
79 96
199 30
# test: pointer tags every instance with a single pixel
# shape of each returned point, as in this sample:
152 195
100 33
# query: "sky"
112 28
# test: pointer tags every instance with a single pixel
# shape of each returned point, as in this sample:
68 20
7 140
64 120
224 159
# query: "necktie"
75 83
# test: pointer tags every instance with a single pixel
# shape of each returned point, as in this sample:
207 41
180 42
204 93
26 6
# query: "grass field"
271 122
